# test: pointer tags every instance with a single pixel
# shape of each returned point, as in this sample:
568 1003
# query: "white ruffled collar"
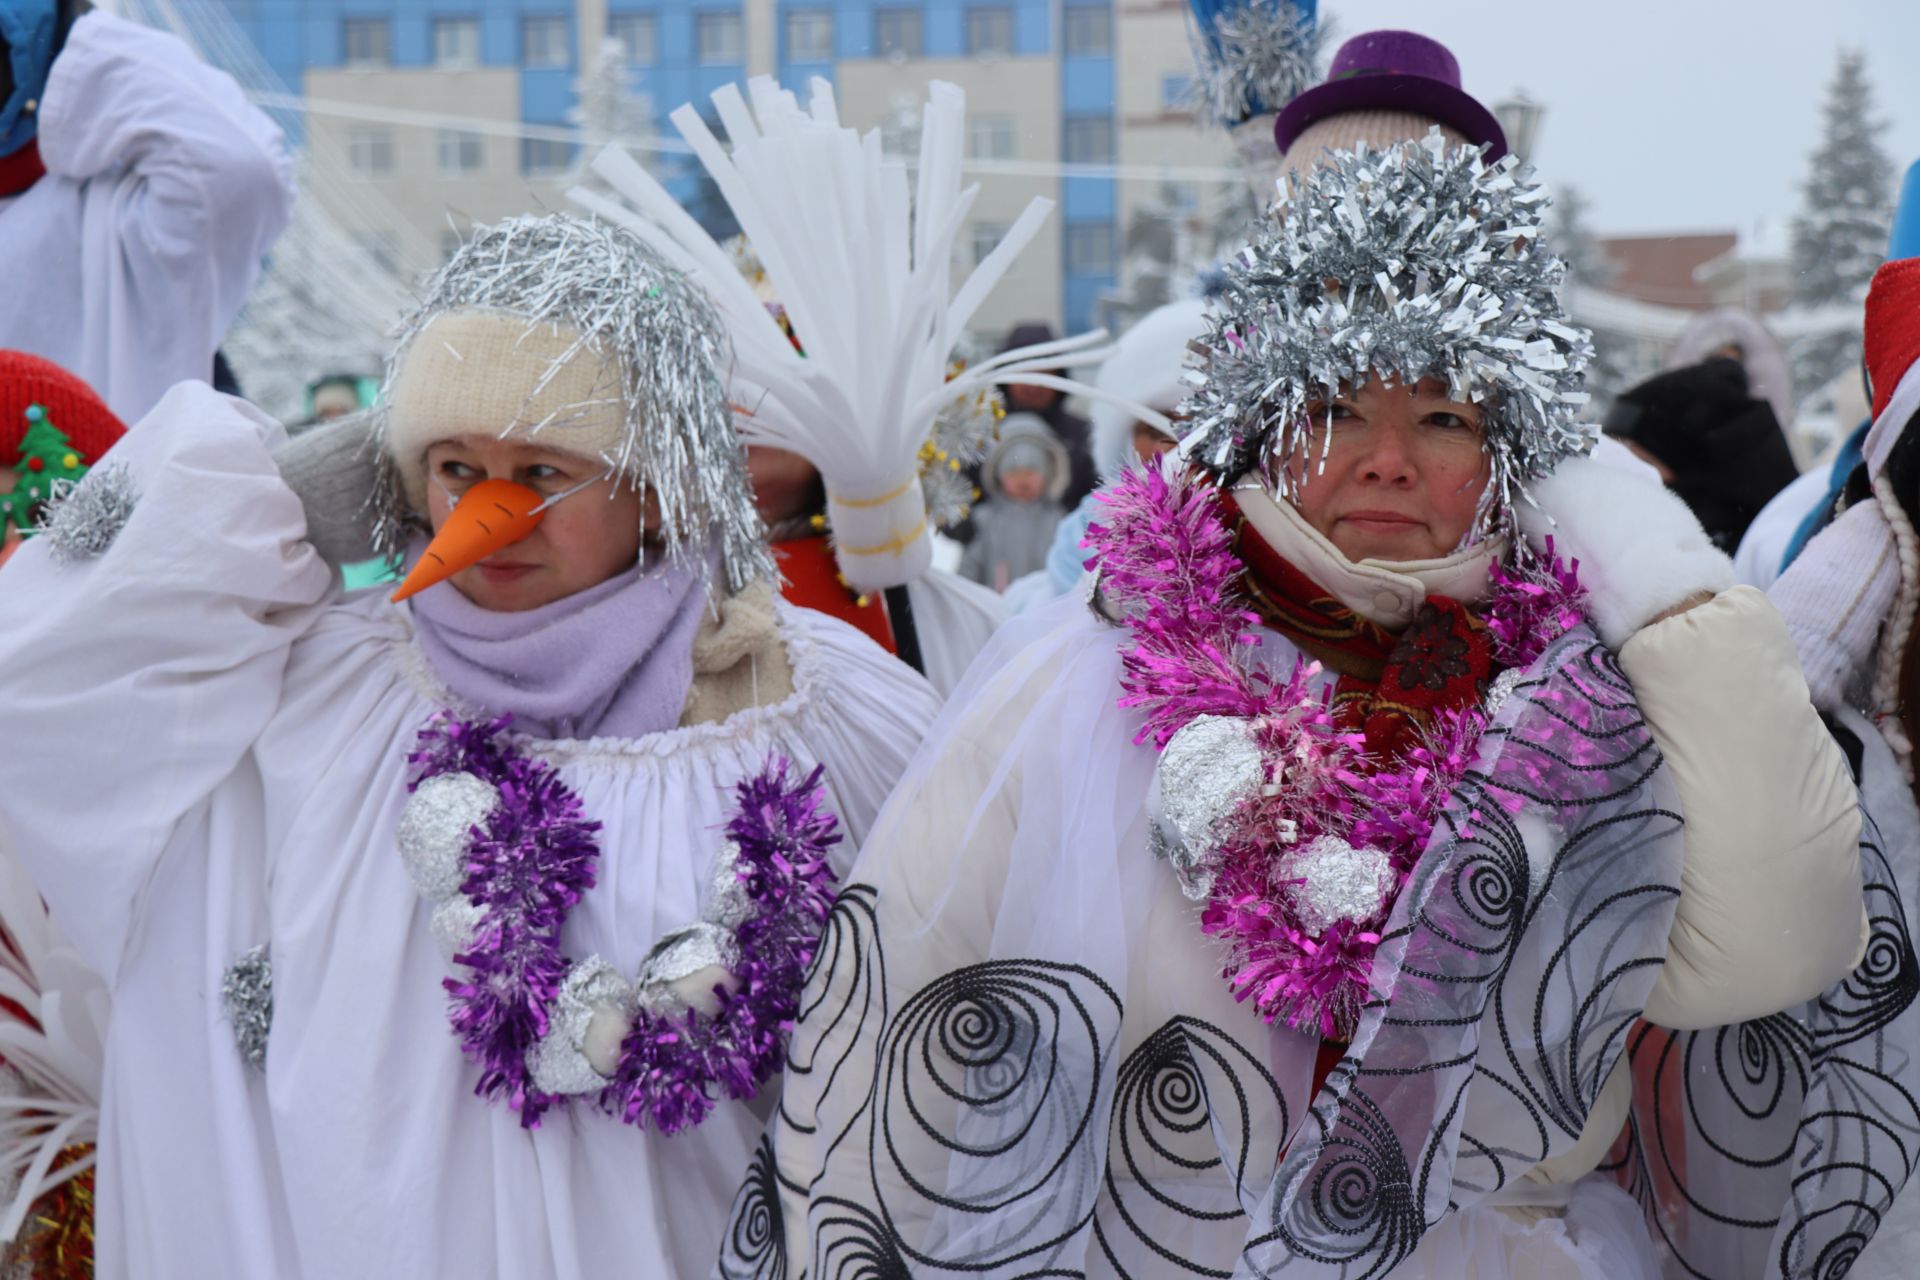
1386 594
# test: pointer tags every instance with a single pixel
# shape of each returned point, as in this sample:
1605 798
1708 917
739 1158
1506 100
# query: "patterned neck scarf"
1389 685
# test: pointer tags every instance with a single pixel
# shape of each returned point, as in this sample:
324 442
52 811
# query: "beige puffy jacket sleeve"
1771 911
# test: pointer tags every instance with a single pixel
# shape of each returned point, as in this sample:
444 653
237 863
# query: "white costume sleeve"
202 187
134 682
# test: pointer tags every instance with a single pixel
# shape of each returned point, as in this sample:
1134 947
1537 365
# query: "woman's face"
1403 471
580 542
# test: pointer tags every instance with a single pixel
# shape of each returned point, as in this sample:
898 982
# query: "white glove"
1641 551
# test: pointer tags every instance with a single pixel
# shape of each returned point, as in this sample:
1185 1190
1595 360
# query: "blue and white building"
458 110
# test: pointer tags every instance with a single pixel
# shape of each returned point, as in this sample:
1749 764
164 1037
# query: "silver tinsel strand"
1252 59
556 1061
435 830
1339 882
1500 690
246 994
81 520
626 302
1416 261
963 434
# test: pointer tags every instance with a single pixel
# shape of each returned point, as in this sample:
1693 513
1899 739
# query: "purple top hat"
1393 71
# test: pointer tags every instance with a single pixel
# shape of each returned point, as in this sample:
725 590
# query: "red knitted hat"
71 405
1893 327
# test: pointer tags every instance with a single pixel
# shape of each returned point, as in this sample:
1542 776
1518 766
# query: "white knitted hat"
489 373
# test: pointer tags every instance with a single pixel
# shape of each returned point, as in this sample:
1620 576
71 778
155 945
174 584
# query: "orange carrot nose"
492 515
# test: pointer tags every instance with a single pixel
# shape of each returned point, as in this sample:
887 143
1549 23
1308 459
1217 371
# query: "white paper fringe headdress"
1419 260
862 265
630 307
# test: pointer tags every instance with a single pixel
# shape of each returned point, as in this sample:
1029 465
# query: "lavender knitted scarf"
615 660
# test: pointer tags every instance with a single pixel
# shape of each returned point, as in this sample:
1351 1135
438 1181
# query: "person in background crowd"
1050 404
1713 442
334 397
1805 507
1148 365
1026 474
53 429
1739 335
139 191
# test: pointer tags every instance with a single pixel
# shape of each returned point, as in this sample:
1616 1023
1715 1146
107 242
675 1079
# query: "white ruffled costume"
218 760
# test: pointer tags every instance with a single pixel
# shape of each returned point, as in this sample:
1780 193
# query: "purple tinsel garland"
532 860
527 865
1165 558
672 1066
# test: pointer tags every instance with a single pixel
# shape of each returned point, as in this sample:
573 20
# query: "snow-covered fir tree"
1841 234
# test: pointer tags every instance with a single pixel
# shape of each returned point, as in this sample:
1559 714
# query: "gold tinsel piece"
56 1243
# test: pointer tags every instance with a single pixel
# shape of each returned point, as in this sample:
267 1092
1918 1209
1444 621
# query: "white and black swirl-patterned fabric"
1777 1147
1018 1059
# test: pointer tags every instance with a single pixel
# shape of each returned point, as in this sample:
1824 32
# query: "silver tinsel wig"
628 305
1415 261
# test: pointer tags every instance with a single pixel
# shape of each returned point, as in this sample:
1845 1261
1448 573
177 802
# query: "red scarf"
1390 685
21 170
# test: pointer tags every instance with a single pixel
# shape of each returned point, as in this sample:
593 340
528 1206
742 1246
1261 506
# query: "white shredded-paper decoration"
1415 261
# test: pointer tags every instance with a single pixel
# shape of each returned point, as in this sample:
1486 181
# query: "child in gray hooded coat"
1025 476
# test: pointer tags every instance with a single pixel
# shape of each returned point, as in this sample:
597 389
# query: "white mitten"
1641 551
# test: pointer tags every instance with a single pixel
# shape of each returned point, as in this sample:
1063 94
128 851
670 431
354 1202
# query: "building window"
544 42
897 33
544 156
381 247
1088 140
368 42
1090 249
719 39
638 34
456 42
984 238
1089 31
370 150
989 31
809 35
990 137
461 152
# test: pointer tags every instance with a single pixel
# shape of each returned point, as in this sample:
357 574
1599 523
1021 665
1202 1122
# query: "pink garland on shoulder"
1165 562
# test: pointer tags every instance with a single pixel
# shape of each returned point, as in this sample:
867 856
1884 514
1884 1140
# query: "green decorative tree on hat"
47 459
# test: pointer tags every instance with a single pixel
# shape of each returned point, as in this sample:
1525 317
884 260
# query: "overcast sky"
1673 114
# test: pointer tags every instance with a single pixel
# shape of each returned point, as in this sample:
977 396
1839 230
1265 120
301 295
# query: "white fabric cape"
218 761
165 188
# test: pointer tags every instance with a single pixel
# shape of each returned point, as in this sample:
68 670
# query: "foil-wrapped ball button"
1208 769
1335 882
436 827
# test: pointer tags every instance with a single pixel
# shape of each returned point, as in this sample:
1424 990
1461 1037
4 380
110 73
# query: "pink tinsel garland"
1165 559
